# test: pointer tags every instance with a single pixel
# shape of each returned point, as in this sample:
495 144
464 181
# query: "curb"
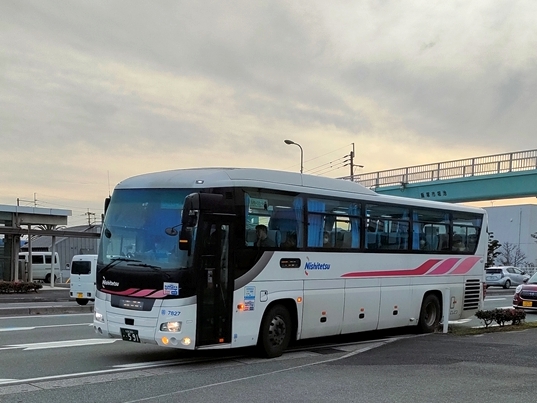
47 310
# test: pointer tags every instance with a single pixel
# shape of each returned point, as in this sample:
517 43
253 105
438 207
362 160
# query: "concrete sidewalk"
47 300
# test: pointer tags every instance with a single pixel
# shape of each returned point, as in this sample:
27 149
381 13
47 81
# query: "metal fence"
488 165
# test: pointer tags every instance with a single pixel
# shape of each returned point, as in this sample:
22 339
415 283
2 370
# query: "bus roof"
203 178
251 177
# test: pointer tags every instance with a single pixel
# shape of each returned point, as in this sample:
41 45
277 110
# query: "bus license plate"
130 335
80 295
527 303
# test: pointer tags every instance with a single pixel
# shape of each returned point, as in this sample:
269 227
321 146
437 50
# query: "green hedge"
7 287
501 316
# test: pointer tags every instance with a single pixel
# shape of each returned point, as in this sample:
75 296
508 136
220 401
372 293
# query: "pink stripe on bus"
142 293
424 268
445 266
158 294
466 265
125 292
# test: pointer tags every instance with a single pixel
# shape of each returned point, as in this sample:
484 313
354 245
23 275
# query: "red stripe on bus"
142 293
418 271
445 266
158 294
466 265
125 292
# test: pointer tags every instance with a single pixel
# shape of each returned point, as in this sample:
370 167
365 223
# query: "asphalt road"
490 368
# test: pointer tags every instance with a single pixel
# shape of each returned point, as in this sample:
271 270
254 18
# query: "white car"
504 276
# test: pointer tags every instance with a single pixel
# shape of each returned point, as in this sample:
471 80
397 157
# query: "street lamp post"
290 142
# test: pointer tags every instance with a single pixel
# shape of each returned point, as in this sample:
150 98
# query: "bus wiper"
149 266
115 261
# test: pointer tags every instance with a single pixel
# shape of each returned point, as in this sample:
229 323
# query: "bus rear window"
81 268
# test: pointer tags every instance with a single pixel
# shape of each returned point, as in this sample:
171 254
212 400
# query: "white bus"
179 263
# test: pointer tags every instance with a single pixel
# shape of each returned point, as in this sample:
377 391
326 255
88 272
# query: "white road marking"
15 329
168 396
116 369
60 344
152 364
63 315
495 299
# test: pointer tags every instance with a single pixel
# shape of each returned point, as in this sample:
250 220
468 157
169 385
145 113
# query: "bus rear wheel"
275 332
430 314
47 279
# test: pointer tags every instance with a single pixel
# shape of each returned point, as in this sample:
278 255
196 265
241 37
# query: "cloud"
114 89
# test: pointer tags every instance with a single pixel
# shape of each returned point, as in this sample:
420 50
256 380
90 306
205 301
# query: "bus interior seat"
347 239
443 242
340 236
275 236
251 237
394 240
372 240
431 237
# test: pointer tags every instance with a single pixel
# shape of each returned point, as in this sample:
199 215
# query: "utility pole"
89 214
350 162
34 201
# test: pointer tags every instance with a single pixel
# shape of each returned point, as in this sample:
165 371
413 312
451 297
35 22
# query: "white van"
83 278
41 265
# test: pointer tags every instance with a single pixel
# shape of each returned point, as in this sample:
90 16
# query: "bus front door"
214 290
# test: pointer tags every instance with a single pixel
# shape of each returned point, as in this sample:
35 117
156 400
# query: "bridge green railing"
468 167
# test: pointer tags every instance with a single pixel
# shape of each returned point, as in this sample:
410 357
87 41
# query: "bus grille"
471 294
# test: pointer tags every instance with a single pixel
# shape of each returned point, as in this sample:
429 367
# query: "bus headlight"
99 317
170 327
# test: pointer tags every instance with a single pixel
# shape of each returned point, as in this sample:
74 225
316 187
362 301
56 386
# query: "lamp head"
289 142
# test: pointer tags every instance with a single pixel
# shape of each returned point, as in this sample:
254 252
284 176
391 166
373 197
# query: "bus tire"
275 332
430 314
81 301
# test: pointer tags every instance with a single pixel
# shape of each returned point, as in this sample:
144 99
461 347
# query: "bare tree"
511 255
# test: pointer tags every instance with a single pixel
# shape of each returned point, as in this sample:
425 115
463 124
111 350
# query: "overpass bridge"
492 177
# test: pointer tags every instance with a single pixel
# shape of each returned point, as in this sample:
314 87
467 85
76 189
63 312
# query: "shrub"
7 287
501 316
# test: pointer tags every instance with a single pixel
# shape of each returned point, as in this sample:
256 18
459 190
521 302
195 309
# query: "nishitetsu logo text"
110 283
317 266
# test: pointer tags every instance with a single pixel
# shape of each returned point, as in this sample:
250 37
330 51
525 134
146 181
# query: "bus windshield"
135 228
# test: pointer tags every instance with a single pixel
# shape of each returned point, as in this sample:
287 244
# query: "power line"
327 163
322 155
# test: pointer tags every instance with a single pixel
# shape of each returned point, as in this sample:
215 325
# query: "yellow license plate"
527 303
81 295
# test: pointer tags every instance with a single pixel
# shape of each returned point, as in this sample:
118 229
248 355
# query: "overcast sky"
92 92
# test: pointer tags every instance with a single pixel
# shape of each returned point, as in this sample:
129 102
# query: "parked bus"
180 264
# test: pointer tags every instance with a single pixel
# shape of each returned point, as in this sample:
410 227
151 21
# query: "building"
67 247
515 224
18 221
44 226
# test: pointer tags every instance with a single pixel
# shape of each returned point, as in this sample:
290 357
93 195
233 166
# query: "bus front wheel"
430 314
275 332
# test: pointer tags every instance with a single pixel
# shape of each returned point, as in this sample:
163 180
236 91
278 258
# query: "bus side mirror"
106 204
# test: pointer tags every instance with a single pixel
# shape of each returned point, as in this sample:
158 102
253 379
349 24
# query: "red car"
526 294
